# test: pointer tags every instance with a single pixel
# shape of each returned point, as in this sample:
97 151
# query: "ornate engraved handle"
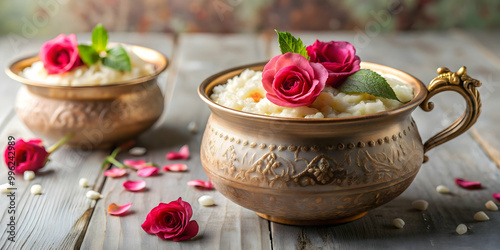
459 82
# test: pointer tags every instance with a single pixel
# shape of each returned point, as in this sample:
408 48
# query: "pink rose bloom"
339 58
30 155
60 54
291 80
171 221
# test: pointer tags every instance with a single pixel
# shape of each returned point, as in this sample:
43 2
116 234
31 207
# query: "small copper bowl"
322 171
99 116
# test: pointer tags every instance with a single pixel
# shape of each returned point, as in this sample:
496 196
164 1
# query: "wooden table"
62 217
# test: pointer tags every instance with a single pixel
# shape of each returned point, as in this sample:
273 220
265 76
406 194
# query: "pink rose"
291 80
171 221
30 155
60 54
339 58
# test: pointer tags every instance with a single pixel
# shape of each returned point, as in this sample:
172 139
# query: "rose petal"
177 167
118 210
115 172
134 185
183 154
137 164
467 184
200 183
497 196
147 171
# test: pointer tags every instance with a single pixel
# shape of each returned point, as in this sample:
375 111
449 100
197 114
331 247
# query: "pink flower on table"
26 155
292 81
171 221
183 154
60 54
339 58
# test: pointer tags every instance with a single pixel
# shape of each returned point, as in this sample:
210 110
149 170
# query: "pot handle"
466 86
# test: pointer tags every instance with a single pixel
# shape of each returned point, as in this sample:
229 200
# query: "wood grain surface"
63 218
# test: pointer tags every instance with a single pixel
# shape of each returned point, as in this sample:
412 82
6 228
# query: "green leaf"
88 54
369 82
115 152
105 163
99 38
289 43
117 58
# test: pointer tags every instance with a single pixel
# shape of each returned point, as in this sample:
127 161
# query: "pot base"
310 222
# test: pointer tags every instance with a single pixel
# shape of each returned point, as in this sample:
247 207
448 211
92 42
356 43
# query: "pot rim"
159 60
419 90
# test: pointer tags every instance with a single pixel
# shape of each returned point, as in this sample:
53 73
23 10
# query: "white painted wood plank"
57 218
224 226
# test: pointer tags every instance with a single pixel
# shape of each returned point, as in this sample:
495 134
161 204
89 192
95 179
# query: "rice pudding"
246 93
92 75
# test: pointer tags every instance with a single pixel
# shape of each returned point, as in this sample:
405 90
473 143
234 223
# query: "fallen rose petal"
134 185
118 210
147 171
200 183
497 196
115 172
136 164
177 167
467 184
183 154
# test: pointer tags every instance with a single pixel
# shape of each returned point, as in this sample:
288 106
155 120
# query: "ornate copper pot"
99 116
322 171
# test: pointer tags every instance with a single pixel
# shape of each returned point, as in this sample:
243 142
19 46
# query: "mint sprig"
99 38
88 54
369 82
116 57
289 43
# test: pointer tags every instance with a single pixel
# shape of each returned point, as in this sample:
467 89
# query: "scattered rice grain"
93 195
29 175
399 223
83 182
481 216
206 200
443 189
461 229
36 189
192 127
420 205
490 205
137 151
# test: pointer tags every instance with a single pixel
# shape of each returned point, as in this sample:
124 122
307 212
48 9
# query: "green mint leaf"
117 58
369 82
88 54
99 38
289 43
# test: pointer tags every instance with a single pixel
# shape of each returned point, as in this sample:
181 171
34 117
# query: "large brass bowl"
323 171
99 116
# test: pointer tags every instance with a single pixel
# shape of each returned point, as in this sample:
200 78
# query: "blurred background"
32 18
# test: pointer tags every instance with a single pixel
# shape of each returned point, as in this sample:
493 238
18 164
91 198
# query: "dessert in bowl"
100 105
308 171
